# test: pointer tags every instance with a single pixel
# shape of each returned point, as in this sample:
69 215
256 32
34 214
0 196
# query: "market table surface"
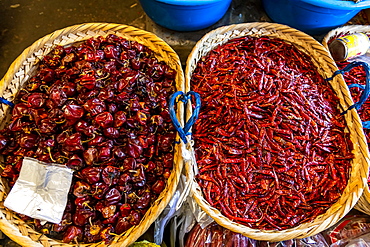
23 22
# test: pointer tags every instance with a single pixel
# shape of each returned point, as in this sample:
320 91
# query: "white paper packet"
41 190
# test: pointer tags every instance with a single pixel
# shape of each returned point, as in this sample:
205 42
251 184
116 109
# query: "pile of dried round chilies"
358 76
100 108
270 143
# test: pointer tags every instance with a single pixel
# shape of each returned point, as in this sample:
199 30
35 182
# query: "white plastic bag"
41 190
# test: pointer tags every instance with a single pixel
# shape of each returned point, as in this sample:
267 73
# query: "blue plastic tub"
185 15
314 17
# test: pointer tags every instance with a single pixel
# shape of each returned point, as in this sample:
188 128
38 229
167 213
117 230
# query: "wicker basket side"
25 66
363 203
326 67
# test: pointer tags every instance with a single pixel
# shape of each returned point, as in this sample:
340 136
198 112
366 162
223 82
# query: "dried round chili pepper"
99 108
270 142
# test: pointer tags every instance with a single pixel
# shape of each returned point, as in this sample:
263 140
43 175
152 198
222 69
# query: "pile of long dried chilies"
270 142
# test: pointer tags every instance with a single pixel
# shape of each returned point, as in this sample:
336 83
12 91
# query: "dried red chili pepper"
357 75
266 134
99 108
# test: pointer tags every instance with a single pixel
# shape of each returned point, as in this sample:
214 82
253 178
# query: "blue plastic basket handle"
366 92
366 88
7 102
184 97
366 124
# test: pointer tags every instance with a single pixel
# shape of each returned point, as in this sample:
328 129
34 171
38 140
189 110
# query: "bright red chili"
270 142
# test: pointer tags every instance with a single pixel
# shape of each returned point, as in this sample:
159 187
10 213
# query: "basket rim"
270 29
34 238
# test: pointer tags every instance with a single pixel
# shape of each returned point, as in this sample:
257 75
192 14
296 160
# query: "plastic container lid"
339 4
188 2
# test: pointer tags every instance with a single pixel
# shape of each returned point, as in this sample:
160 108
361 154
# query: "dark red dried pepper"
100 108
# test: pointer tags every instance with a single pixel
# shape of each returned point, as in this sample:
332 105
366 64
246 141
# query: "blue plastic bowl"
314 17
185 15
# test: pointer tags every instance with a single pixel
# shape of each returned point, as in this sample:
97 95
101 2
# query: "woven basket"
326 67
25 66
363 203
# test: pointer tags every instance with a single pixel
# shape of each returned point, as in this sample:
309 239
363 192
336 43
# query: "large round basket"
326 67
363 203
25 66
